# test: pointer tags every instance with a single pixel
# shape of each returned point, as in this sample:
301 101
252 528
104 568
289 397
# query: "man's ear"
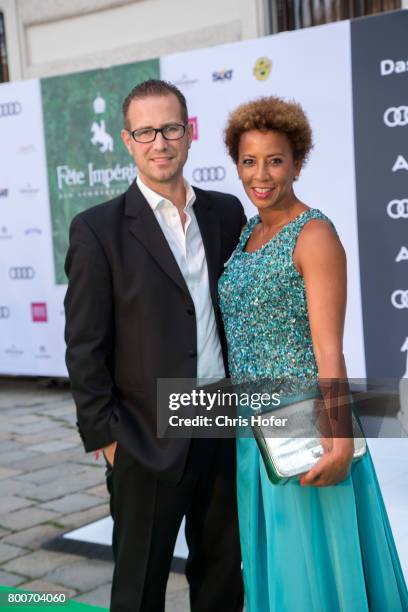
190 133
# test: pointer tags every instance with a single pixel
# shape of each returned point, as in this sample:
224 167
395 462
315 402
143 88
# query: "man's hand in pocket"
109 452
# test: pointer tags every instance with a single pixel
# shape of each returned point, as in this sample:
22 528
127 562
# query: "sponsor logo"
398 209
4 235
26 149
10 109
402 254
389 66
21 273
194 122
91 181
88 183
396 116
213 173
70 177
39 312
399 299
33 230
100 137
42 353
4 312
14 351
222 75
4 192
185 81
29 191
400 164
262 68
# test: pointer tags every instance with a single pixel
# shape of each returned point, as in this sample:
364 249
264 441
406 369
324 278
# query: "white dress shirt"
188 250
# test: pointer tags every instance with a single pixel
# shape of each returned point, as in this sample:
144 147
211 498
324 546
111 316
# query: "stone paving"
49 486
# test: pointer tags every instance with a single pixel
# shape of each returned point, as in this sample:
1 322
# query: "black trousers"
147 513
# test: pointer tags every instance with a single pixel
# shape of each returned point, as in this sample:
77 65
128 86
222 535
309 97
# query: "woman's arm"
320 258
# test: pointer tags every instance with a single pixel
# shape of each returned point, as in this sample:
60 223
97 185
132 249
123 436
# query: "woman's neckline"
275 235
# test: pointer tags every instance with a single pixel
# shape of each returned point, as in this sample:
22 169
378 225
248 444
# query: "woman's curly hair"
270 113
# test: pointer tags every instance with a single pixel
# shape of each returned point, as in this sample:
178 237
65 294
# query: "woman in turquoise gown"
322 544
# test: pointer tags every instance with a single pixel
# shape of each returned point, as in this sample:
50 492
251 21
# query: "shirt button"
192 353
190 311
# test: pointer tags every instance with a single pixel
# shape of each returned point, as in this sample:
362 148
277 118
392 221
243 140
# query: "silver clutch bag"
287 458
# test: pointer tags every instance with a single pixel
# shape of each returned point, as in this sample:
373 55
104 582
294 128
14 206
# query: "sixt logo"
222 75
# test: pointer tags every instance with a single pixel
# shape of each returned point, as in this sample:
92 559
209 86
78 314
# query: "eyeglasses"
172 131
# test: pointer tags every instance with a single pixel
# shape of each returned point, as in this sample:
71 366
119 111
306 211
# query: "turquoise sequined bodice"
263 303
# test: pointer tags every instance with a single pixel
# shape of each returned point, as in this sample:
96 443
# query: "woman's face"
267 169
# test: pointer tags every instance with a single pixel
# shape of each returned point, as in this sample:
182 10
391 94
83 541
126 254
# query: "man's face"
159 162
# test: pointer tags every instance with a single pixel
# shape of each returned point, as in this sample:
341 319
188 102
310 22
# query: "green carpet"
69 606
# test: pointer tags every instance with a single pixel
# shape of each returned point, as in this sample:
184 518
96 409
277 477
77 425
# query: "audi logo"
4 312
215 173
398 209
396 116
8 109
399 299
21 273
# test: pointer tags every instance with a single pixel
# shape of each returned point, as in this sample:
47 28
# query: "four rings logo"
4 312
21 273
396 116
399 299
214 173
8 109
398 209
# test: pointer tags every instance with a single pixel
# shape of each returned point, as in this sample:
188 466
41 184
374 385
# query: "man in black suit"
141 305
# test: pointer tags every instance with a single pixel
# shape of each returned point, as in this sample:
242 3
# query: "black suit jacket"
130 319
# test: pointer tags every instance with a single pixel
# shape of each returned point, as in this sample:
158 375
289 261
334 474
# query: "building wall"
48 37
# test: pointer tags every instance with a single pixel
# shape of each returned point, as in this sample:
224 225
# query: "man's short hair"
154 87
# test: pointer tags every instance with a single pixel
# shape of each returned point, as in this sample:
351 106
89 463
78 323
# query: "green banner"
86 160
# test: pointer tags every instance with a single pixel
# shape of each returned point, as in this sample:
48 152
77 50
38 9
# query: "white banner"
31 322
312 66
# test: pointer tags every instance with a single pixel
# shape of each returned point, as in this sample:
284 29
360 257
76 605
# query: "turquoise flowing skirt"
309 549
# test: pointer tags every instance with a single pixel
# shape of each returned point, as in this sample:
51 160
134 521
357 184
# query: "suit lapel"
145 227
208 222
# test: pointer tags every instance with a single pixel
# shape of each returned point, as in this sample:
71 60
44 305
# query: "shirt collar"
154 199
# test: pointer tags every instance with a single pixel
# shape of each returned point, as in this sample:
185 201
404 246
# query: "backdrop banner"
61 152
380 101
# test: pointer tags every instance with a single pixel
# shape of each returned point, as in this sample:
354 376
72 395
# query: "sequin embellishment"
263 303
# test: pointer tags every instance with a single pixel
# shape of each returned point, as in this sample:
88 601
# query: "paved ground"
48 486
